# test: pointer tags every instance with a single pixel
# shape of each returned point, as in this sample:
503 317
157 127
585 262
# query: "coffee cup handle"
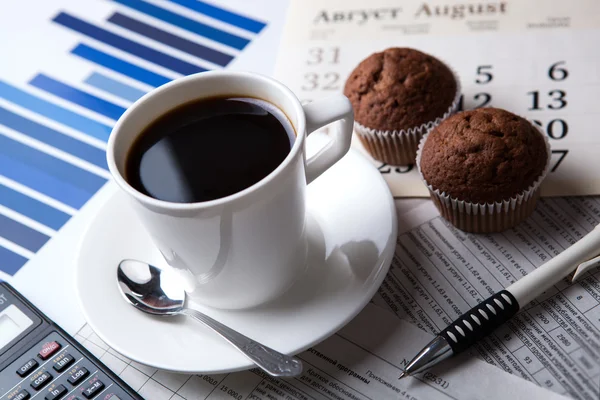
320 113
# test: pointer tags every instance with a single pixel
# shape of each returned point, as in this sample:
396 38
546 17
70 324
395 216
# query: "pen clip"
585 267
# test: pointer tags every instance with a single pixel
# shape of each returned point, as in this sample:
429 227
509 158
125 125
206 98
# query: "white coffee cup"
247 248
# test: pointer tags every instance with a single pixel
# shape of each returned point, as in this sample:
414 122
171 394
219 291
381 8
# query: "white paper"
362 361
439 272
536 58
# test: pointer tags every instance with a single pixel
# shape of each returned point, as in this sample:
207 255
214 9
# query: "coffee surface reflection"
208 149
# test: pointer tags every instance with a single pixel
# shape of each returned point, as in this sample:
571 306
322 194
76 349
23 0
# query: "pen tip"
402 374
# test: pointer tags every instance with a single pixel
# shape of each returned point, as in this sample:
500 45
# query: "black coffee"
208 149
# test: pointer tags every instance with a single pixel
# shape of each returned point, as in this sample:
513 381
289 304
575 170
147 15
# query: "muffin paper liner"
487 217
400 147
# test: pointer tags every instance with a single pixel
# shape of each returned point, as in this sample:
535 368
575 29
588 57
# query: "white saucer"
352 232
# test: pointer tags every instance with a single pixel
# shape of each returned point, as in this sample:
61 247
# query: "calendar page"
535 58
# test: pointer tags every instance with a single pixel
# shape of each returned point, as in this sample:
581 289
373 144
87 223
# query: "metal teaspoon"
153 291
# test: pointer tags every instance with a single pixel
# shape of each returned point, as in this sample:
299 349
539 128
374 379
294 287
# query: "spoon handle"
271 361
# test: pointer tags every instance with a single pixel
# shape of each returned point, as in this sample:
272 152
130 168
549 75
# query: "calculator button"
56 393
78 376
63 363
22 395
27 368
93 389
48 349
41 381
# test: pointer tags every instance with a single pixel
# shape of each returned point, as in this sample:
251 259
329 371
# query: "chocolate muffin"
483 168
397 95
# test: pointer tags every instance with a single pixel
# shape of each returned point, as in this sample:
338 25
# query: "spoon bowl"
150 289
160 292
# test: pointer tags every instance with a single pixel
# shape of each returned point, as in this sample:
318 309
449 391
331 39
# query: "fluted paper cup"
399 147
488 217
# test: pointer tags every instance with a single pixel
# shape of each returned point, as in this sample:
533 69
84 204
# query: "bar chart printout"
57 107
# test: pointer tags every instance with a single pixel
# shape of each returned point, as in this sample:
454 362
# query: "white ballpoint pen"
497 309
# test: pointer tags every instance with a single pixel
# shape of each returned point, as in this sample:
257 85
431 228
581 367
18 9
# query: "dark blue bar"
227 16
42 182
50 165
169 39
22 235
116 64
199 28
10 262
32 208
77 96
127 45
50 110
53 138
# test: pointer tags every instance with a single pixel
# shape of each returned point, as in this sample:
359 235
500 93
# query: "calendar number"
556 129
320 55
561 156
558 73
484 74
485 99
331 79
327 81
310 81
481 99
387 169
557 100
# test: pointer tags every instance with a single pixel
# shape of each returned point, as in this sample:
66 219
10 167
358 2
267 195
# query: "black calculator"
39 360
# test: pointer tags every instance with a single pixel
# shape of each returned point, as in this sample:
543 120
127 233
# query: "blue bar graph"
123 67
114 87
22 235
221 14
54 112
77 96
127 45
226 38
169 39
141 44
52 166
10 262
53 138
43 182
32 208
